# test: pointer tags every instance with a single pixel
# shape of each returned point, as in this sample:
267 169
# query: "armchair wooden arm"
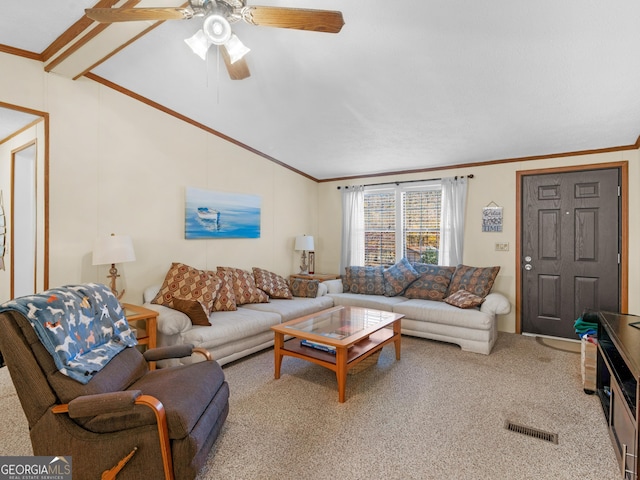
120 400
203 351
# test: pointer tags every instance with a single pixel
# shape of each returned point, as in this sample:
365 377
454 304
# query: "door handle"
528 266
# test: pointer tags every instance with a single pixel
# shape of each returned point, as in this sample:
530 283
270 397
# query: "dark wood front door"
570 248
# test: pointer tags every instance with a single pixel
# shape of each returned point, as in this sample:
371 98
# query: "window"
402 221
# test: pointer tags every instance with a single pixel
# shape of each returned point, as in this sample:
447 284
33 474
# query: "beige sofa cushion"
445 314
294 308
230 326
379 302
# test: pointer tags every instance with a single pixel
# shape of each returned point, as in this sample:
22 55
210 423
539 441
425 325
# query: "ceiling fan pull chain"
217 76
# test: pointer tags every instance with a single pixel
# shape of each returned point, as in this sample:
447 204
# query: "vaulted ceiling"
404 86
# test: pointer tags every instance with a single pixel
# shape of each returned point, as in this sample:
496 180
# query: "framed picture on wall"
312 263
210 214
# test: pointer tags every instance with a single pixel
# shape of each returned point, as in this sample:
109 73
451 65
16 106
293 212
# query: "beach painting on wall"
221 215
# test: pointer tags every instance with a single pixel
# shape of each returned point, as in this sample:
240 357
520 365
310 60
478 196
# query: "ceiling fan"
218 17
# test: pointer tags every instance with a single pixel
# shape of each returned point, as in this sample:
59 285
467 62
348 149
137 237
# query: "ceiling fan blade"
110 15
328 21
239 69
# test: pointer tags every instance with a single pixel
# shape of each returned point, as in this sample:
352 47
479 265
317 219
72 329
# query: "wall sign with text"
492 218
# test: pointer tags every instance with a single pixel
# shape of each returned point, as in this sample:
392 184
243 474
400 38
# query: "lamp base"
113 274
304 267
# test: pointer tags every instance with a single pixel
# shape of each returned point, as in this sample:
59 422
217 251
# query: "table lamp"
111 250
304 243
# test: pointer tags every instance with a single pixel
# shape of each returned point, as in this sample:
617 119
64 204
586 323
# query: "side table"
145 321
322 277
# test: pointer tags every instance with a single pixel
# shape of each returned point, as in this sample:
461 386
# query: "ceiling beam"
87 44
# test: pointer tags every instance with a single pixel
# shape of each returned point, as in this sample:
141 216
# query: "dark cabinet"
618 374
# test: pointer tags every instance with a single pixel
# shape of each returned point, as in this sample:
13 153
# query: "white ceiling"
13 120
405 85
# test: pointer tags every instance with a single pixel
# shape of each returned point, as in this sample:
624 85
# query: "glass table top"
342 322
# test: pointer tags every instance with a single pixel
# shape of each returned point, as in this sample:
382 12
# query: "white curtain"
454 200
352 227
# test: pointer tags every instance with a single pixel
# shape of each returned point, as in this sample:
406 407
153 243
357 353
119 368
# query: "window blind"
402 221
380 228
421 225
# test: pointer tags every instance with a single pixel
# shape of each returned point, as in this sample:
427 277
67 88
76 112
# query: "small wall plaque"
492 218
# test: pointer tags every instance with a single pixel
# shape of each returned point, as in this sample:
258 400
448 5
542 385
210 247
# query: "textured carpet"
438 413
558 344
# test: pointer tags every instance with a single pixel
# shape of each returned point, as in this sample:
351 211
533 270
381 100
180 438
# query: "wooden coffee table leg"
397 330
278 343
341 372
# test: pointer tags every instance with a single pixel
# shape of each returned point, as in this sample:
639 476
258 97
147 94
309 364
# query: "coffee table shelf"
355 332
368 346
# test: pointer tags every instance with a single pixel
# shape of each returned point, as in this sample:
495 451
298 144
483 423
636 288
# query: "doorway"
571 247
24 178
24 221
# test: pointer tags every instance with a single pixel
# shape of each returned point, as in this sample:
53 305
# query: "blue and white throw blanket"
82 326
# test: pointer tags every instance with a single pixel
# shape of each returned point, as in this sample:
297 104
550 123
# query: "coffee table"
350 333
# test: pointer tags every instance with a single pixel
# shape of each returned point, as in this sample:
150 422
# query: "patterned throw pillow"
432 283
244 287
273 285
398 277
464 299
364 280
304 288
188 283
193 310
225 301
477 280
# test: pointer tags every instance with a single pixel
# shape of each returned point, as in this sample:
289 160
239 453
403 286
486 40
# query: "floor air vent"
532 432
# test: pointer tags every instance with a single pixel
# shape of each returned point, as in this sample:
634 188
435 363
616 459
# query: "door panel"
549 296
585 238
571 233
549 231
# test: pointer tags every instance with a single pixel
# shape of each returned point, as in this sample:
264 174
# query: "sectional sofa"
232 334
473 329
450 304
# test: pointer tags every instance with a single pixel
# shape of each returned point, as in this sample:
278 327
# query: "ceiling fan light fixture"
236 49
217 29
199 44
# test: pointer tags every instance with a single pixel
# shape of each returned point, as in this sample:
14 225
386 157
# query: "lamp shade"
113 249
304 242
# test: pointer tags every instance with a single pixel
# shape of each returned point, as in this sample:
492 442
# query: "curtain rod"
407 181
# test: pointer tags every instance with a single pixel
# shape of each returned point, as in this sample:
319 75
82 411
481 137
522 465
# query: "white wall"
495 183
119 166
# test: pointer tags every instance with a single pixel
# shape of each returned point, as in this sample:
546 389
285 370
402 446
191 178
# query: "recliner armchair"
126 420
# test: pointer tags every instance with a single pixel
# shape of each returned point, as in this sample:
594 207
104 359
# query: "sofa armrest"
495 304
170 321
334 286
